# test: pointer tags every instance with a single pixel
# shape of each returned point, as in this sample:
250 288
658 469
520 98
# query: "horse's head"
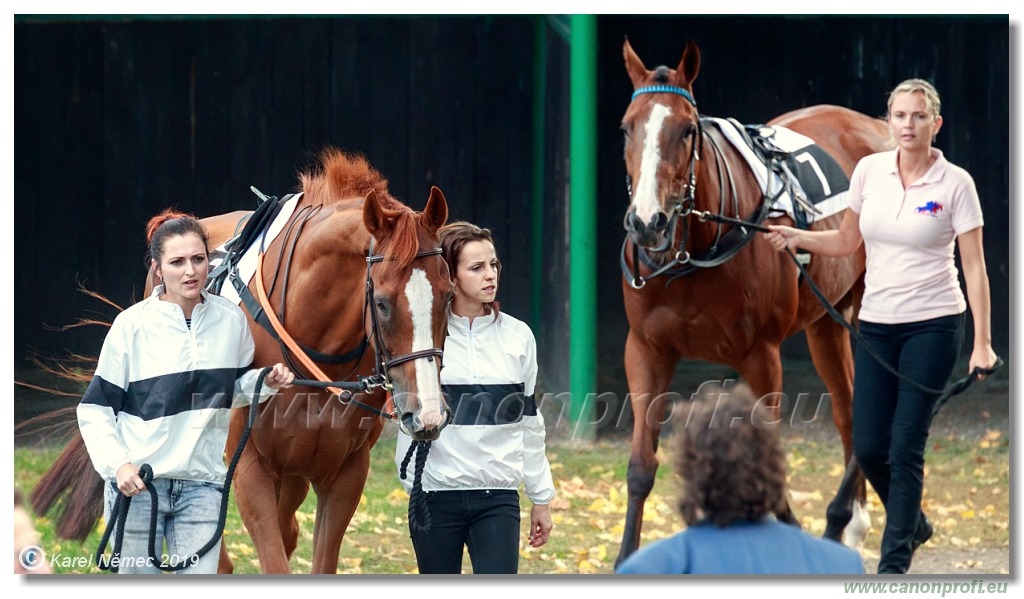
408 290
662 136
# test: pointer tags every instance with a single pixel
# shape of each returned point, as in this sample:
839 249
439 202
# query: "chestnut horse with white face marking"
704 289
352 264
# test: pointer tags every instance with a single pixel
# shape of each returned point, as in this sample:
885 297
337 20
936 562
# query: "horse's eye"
382 307
625 131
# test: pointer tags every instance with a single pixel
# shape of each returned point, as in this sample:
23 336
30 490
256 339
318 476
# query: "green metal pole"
583 223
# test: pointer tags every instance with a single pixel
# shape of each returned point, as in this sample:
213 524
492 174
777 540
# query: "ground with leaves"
966 493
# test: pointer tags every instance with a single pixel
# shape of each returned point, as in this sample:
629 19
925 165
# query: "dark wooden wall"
117 119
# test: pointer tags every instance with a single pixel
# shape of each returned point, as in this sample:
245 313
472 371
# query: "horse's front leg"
337 499
256 496
648 372
225 566
293 492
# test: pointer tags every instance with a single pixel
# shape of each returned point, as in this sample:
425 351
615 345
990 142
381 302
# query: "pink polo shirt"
909 237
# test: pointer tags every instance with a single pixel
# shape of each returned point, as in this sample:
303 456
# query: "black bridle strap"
384 361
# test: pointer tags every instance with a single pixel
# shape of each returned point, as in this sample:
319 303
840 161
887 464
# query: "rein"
119 511
944 394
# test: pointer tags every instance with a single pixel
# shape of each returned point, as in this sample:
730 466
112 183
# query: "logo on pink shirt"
931 208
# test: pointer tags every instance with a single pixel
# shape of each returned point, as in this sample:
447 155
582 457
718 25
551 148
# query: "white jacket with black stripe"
162 392
496 438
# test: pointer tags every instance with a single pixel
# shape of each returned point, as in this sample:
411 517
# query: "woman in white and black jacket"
495 442
171 368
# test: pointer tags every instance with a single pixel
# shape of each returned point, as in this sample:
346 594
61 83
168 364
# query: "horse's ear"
436 212
374 219
689 64
634 66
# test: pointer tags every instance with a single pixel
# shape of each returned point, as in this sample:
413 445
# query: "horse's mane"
339 175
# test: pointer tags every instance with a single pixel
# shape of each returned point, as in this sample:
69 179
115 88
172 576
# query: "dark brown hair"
170 223
453 237
730 457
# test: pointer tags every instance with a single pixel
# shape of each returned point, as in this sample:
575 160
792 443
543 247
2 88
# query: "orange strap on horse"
261 296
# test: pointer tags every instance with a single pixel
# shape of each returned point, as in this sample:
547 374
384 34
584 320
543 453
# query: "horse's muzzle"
412 425
653 236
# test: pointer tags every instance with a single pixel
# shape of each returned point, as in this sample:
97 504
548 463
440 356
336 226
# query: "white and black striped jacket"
496 438
162 391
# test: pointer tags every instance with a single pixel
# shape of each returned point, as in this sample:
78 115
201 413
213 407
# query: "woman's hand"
782 237
540 524
128 480
279 376
982 357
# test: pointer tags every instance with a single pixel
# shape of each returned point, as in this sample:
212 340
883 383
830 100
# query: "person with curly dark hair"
730 458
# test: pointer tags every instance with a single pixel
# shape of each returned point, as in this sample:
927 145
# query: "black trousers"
484 521
891 419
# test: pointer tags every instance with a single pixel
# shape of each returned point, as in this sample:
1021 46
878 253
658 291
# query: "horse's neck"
324 278
724 186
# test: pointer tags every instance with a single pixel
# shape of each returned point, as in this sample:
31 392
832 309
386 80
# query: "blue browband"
665 89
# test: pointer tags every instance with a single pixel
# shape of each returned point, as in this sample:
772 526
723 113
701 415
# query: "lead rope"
944 394
119 512
419 515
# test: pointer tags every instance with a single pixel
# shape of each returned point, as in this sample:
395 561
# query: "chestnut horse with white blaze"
356 282
724 296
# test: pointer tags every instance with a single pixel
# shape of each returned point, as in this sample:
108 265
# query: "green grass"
967 496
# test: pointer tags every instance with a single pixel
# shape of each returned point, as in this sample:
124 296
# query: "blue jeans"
187 516
484 521
891 419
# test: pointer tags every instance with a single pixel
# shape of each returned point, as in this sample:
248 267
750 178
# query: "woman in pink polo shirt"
908 206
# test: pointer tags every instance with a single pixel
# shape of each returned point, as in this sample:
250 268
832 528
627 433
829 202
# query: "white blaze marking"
646 199
421 300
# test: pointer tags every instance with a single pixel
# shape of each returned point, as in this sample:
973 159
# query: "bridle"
683 205
383 359
262 312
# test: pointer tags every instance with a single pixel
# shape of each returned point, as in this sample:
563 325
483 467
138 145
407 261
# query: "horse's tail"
73 488
70 489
